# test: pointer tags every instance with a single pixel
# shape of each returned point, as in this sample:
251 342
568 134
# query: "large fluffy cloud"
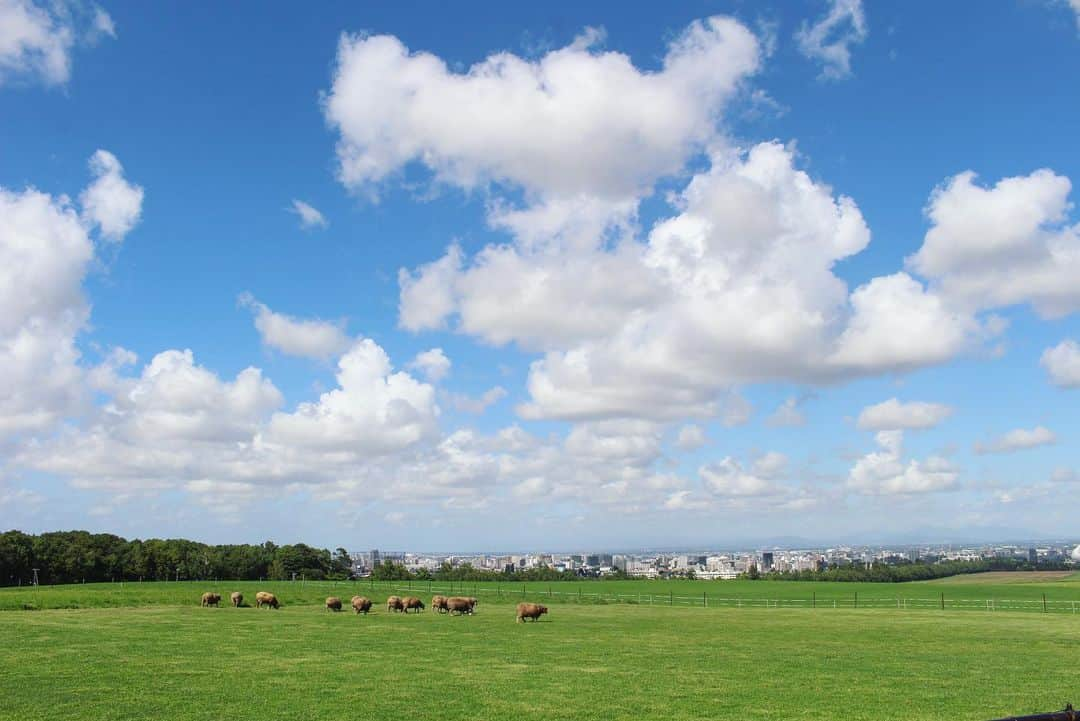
575 121
1003 245
178 423
884 472
373 410
45 250
737 288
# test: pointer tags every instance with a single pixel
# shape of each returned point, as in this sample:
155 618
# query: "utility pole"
35 576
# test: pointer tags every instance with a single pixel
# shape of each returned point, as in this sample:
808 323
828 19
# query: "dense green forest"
77 556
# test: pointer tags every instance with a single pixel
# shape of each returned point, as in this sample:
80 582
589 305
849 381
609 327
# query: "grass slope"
580 662
1010 593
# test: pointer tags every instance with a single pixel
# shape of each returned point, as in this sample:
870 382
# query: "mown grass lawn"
580 662
961 592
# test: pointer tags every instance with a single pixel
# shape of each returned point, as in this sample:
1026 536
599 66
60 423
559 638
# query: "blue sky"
701 274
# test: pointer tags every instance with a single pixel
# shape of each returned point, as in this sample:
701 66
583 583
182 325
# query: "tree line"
80 556
904 571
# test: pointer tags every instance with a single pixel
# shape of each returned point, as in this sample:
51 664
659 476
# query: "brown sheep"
530 610
459 604
333 603
211 599
361 604
262 598
412 602
394 603
438 603
237 599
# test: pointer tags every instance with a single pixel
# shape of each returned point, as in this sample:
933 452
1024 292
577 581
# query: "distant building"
1033 556
767 561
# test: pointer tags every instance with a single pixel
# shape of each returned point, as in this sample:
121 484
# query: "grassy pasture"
1009 577
1008 592
582 661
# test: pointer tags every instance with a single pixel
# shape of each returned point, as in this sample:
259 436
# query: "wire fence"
705 600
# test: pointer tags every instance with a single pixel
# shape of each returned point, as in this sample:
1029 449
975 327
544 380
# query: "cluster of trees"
906 570
390 571
78 556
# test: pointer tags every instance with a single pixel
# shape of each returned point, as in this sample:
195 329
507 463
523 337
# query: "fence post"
704 600
670 599
943 601
1044 603
815 600
856 599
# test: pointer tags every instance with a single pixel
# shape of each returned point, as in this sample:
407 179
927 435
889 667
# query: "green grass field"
972 592
149 651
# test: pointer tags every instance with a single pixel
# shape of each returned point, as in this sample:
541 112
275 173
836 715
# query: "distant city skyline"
604 276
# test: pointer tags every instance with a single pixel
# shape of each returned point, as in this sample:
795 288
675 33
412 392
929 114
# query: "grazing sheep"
361 604
438 603
211 599
412 602
459 604
333 603
394 603
262 598
530 610
237 599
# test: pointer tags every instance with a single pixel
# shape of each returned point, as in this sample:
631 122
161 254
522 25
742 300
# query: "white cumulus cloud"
46 250
432 363
894 415
885 472
1018 440
1004 245
111 202
575 121
306 338
1062 362
37 37
727 477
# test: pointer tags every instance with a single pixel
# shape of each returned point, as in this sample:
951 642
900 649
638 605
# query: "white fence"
705 600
